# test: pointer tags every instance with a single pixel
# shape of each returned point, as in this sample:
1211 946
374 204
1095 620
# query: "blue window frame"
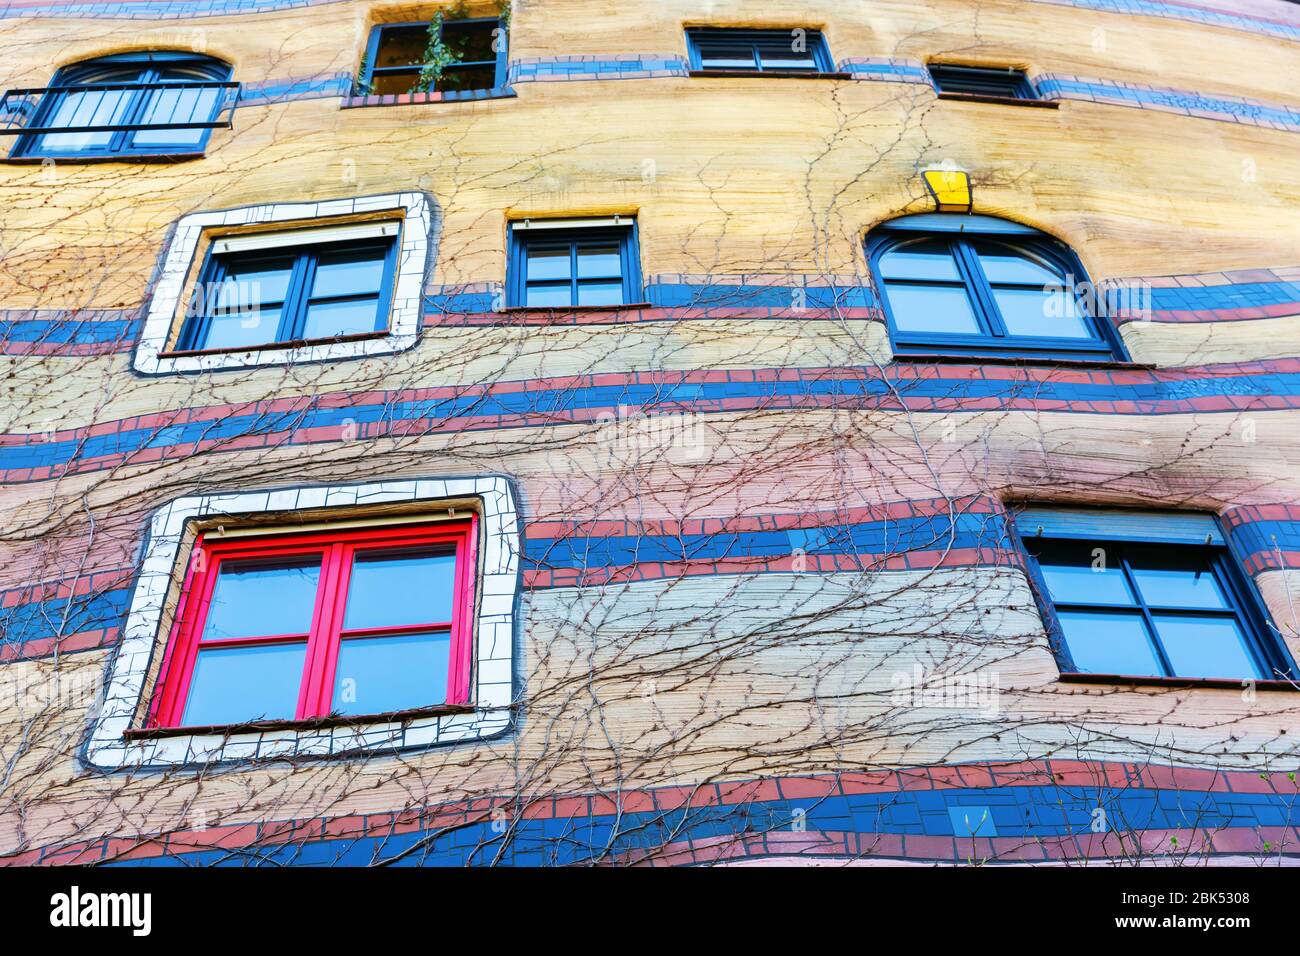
982 81
569 267
291 294
396 52
134 104
1138 594
974 285
762 51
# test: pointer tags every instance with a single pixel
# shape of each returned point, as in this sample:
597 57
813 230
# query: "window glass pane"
787 60
549 296
91 108
237 684
920 260
402 46
1041 312
599 262
260 599
1103 643
724 55
1177 583
383 84
600 293
1002 264
989 82
376 675
253 283
546 263
232 330
1205 647
1071 583
348 274
328 319
395 589
466 78
177 106
922 308
469 41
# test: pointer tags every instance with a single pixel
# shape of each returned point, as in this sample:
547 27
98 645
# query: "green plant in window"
440 53
437 57
362 86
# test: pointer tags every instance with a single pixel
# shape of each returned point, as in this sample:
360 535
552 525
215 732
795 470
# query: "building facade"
671 433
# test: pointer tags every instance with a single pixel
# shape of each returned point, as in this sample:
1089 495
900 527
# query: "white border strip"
493 668
408 284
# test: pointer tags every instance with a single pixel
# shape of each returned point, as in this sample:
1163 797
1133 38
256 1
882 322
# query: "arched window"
984 286
133 103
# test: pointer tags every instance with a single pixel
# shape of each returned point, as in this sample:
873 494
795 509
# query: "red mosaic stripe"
1030 773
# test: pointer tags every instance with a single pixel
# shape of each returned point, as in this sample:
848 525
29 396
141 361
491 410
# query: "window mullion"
1152 634
977 285
133 112
293 314
322 645
573 273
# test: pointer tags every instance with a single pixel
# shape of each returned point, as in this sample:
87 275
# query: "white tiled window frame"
107 747
408 284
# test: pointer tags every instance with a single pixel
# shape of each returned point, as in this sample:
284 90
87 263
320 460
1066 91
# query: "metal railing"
119 107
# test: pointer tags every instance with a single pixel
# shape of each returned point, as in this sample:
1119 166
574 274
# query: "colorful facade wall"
730 516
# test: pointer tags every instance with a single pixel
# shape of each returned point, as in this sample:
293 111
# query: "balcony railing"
119 107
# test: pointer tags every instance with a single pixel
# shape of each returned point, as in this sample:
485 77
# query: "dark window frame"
1104 345
818 49
293 308
990 82
1267 651
148 69
522 239
498 63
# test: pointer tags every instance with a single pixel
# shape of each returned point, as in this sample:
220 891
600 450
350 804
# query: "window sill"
78 158
317 723
416 99
1036 361
771 74
269 346
1224 683
1001 100
573 309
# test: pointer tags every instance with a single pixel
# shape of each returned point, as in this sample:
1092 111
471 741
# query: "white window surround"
408 284
107 748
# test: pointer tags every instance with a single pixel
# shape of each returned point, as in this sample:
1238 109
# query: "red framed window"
333 623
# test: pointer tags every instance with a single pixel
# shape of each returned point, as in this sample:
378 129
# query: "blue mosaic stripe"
892 536
1027 812
182 9
62 330
459 303
897 383
1177 11
887 70
1233 110
309 88
22 623
1255 536
159 10
1229 296
562 68
689 295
